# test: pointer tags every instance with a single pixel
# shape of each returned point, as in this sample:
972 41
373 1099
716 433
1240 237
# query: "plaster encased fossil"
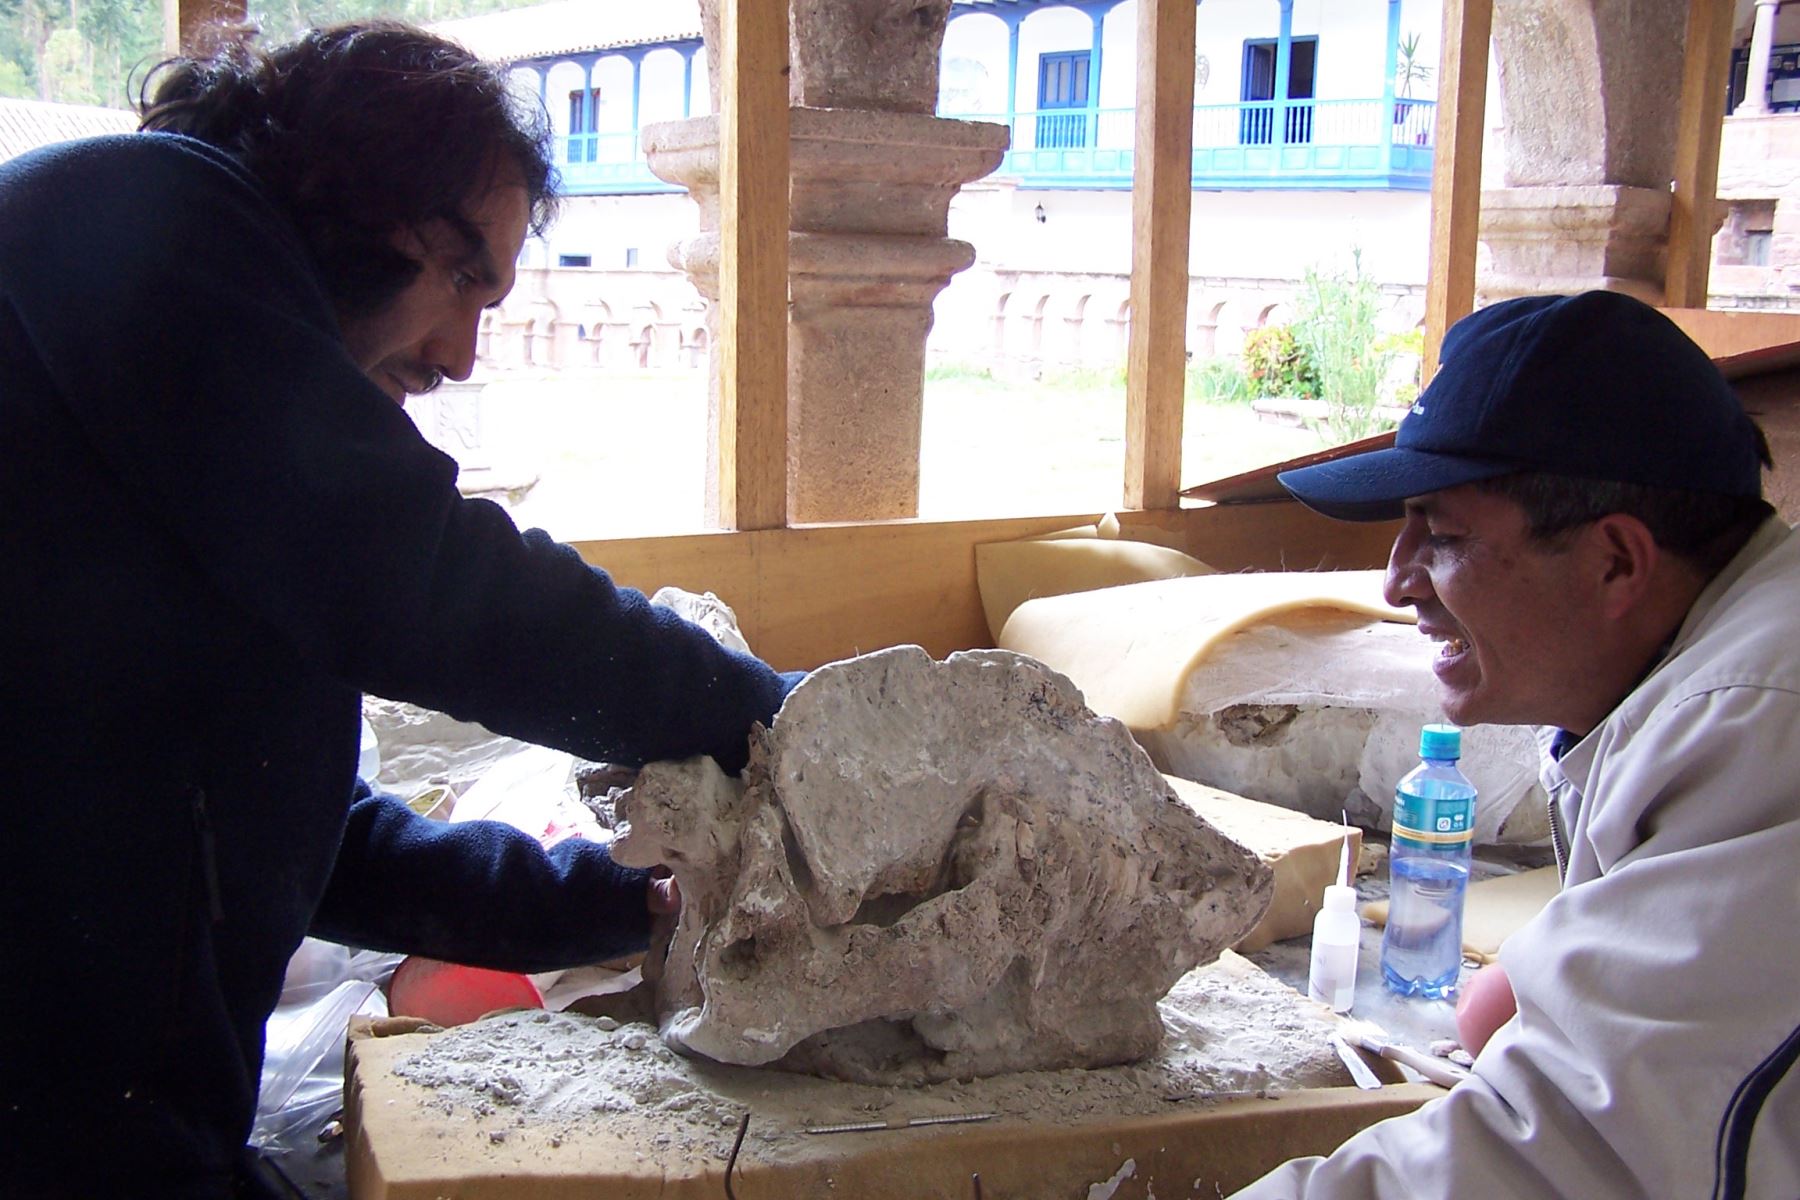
932 870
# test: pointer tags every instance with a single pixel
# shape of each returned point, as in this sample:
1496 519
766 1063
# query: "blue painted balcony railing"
598 164
1304 144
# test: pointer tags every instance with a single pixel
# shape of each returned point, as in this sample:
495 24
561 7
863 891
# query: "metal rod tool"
913 1123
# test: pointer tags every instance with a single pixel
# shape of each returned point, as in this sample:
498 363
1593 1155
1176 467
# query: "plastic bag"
303 1064
532 791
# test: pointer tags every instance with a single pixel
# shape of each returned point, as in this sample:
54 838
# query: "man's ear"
1625 559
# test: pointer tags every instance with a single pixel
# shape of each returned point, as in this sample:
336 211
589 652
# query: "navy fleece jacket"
215 534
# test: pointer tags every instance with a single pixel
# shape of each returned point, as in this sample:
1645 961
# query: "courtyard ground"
623 454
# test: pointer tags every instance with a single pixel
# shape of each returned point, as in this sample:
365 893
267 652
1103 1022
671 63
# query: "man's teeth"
1453 647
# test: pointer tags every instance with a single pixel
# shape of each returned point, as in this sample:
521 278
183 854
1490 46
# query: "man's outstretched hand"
665 897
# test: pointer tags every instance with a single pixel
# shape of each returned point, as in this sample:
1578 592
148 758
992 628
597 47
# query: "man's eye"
462 281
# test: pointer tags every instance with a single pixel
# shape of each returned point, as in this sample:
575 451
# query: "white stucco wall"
604 227
1234 233
1054 291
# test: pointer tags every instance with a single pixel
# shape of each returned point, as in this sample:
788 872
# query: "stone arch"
1237 316
967 85
1281 312
1037 326
594 314
546 334
484 336
695 345
1203 334
591 332
1075 329
1121 327
645 320
998 350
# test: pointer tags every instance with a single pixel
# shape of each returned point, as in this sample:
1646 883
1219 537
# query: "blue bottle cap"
1440 742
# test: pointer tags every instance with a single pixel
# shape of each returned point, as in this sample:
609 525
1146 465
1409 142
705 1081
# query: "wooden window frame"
808 594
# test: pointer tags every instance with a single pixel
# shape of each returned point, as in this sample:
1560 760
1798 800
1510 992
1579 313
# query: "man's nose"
452 350
1405 582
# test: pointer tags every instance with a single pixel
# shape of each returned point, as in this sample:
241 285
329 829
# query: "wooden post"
1456 169
753 270
183 21
1697 126
1161 207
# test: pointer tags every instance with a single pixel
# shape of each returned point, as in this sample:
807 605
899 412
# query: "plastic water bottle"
1434 831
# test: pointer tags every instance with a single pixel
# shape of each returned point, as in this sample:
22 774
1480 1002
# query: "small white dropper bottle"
1337 933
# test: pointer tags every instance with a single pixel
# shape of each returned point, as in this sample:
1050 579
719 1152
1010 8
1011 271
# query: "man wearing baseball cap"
1584 537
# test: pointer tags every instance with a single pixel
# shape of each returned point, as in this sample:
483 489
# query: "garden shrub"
1336 322
1276 364
1218 381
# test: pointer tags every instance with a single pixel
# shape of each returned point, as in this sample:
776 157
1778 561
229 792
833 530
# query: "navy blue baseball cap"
1597 386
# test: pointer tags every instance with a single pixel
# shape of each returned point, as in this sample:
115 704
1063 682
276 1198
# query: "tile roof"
573 27
28 124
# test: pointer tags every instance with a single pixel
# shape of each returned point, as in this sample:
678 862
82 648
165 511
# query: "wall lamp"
1040 214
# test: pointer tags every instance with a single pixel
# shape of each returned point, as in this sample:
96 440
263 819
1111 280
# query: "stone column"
873 174
1573 239
1762 42
1589 148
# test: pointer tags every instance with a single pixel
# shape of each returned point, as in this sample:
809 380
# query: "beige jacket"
1654 1052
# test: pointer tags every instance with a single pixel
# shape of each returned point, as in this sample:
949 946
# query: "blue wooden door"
1256 119
1062 84
584 114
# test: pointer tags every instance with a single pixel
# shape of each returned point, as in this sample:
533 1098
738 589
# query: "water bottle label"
1424 822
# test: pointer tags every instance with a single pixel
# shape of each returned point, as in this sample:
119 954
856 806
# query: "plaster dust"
548 1080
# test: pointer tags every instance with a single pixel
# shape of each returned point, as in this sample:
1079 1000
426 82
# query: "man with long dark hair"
217 530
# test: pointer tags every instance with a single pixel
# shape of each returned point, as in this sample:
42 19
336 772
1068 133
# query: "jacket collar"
1575 763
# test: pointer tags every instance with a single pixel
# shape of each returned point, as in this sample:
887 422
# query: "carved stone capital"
1573 239
867 254
852 171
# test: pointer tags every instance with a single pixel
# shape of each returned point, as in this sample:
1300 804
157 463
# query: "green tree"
1337 322
65 71
36 22
14 82
122 35
95 51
